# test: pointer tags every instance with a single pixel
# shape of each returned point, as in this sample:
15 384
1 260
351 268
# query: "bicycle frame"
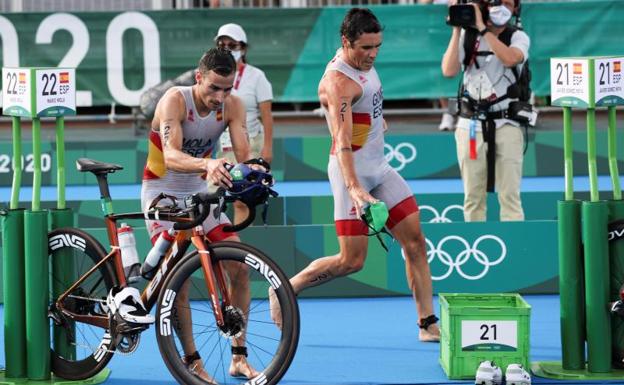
213 274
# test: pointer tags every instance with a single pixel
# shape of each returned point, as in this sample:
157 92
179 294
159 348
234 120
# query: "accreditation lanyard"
473 122
239 76
473 139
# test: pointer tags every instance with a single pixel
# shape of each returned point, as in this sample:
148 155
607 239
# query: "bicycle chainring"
129 343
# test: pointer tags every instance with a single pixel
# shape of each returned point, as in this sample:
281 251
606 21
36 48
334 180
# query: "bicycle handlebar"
250 186
199 205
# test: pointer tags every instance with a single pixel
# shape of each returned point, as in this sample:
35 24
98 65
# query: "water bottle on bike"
156 254
129 256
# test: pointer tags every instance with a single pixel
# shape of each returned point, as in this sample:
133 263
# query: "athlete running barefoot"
350 92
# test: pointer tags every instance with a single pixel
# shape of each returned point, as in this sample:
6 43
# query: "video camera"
462 14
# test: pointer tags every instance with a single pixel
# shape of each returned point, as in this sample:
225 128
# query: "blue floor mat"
359 342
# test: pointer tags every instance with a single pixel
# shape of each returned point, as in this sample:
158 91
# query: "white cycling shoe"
128 304
516 375
488 374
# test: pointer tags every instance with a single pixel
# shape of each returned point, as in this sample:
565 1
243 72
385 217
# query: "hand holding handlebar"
250 185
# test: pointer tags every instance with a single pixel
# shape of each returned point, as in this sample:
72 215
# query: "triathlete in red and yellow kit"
187 124
351 94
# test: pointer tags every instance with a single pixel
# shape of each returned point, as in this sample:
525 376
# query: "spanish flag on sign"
22 77
577 68
617 66
64 77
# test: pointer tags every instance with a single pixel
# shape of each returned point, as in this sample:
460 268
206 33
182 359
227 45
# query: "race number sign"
608 81
586 82
39 92
56 91
16 92
570 82
489 335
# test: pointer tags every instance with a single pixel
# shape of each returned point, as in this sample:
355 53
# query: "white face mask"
237 54
500 15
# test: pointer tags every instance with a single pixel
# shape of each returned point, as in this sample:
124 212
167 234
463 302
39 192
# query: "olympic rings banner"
487 257
119 55
483 257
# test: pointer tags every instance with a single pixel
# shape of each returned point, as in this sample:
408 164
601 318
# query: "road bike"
86 336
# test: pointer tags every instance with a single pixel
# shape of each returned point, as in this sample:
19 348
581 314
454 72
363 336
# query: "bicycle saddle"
96 167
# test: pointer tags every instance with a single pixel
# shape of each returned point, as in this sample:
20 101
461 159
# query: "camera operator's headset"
476 109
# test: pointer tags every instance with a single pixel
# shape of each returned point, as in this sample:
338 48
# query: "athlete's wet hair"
218 60
357 22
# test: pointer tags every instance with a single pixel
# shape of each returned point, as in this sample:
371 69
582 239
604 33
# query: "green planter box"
479 327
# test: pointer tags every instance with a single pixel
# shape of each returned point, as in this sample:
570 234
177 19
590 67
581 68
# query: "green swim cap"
376 215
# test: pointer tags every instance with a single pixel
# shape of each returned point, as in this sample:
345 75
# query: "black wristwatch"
483 31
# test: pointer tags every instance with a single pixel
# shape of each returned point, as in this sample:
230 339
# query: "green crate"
478 327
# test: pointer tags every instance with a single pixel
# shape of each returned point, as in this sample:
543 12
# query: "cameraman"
489 143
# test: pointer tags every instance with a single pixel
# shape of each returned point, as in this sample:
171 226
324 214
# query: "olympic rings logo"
456 262
404 153
441 217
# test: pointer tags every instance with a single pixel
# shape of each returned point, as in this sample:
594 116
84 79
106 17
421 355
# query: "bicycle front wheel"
79 350
185 321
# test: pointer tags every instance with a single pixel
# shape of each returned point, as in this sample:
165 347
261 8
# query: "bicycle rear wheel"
270 349
78 350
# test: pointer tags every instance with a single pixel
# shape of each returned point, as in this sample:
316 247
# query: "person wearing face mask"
490 141
253 88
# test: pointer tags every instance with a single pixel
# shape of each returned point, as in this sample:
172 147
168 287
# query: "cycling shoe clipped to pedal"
127 304
488 374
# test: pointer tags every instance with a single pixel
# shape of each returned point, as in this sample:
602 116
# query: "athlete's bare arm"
266 117
237 122
336 93
170 113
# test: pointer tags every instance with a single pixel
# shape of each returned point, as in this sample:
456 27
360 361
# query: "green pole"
596 258
13 286
591 155
36 133
613 166
36 271
37 293
567 153
60 161
571 285
17 162
62 277
63 264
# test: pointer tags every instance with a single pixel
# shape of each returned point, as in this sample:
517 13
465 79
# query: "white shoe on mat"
488 374
516 375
